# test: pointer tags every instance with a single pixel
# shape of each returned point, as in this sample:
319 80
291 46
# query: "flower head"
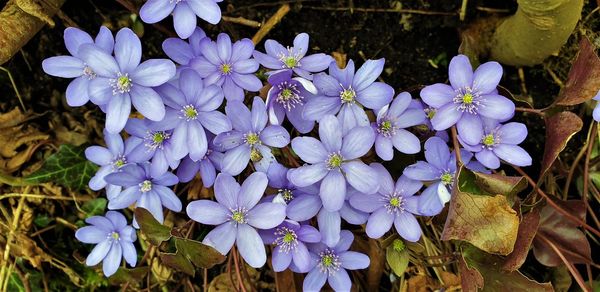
333 161
471 96
237 213
74 66
184 13
289 239
390 127
191 110
229 66
287 97
207 166
183 52
330 263
392 204
111 159
596 113
250 138
113 238
121 80
293 58
500 142
345 93
143 189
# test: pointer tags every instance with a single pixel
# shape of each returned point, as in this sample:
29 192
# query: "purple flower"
183 52
110 159
596 113
147 191
392 204
184 13
207 166
472 95
287 96
122 80
331 262
230 67
158 145
429 114
289 240
304 203
113 238
74 67
237 214
250 138
389 128
192 109
333 161
440 170
294 58
344 93
500 142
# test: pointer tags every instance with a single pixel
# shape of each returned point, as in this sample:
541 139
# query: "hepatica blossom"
148 192
237 214
471 96
207 166
344 93
287 97
596 113
392 204
184 13
110 159
500 142
122 80
74 66
113 238
390 127
279 57
250 138
333 161
331 262
227 65
191 110
289 240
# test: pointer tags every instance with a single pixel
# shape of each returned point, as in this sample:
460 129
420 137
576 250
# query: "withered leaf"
583 81
201 255
563 233
559 130
488 222
496 184
527 230
179 262
494 278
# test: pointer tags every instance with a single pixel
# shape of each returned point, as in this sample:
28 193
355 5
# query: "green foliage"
155 232
95 206
67 167
397 257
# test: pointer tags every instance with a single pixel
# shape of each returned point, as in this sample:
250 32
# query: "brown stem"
237 270
586 167
554 205
576 162
569 265
459 161
530 110
274 20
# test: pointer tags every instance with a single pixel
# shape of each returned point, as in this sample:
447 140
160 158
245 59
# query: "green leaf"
15 283
42 220
95 206
397 257
201 255
68 167
124 275
488 267
154 231
179 262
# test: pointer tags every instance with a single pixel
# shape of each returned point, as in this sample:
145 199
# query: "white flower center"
121 84
289 95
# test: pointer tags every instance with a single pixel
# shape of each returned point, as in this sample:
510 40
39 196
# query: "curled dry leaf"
564 234
559 130
17 141
583 81
488 222
527 230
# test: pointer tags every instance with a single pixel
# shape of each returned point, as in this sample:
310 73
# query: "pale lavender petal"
74 38
384 148
112 261
63 66
147 102
281 260
346 239
486 77
266 60
275 136
406 142
178 50
386 183
333 191
128 50
309 149
429 201
422 171
329 225
99 90
207 212
314 281
488 159
303 208
98 253
376 95
407 226
316 108
102 63
446 117
77 91
367 74
437 95
316 62
239 115
379 223
361 177
226 191
91 234
236 160
154 11
105 40
496 107
98 155
207 10
357 142
247 81
512 133
352 260
302 258
222 237
242 50
330 134
460 72
167 198
266 215
129 252
224 47
513 154
259 114
307 175
250 246
253 188
117 112
215 122
153 72
184 20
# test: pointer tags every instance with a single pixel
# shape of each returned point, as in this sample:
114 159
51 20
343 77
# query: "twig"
576 162
569 265
384 10
459 161
36 196
14 85
586 167
242 21
237 270
463 10
555 77
530 110
274 20
554 205
492 10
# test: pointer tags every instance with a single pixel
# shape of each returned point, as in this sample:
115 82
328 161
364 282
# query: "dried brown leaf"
527 230
559 130
583 81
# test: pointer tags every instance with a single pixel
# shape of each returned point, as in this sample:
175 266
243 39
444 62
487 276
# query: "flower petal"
307 175
98 253
253 188
340 281
117 112
309 149
314 281
361 177
74 38
486 77
154 11
236 160
352 260
178 50
207 212
250 246
379 223
147 102
488 159
333 191
329 224
460 72
376 95
437 95
90 234
304 207
266 215
63 66
406 142
102 63
357 142
513 154
153 72
239 115
512 133
330 134
184 20
367 74
207 10
222 237
275 136
226 191
496 107
112 261
259 114
407 226
128 50
446 117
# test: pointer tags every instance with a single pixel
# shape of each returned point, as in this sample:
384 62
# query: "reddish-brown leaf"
584 78
563 233
470 279
527 230
559 130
